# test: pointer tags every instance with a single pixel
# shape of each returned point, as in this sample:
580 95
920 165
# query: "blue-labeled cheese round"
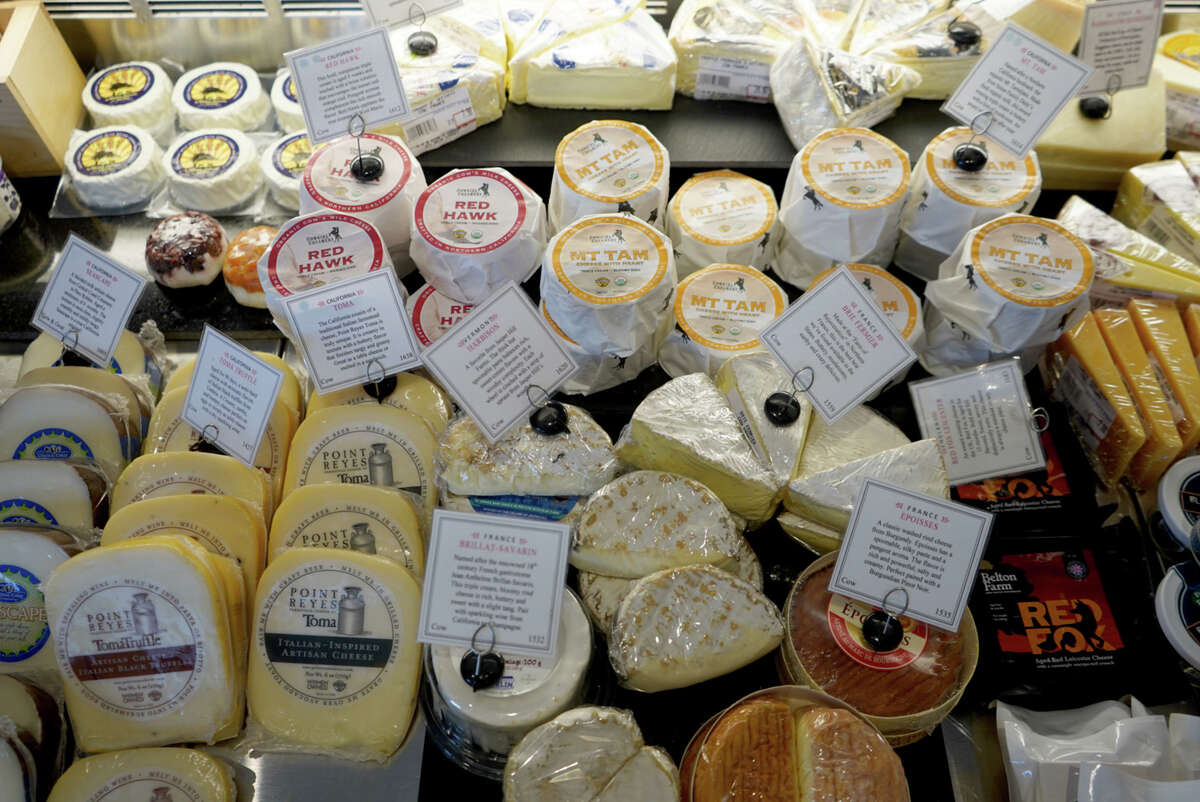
283 165
288 116
115 167
221 95
132 93
212 170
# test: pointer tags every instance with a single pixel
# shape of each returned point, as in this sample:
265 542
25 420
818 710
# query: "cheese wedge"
830 20
44 493
117 390
1056 21
180 473
817 536
879 20
1163 443
859 433
1100 231
648 776
61 424
1159 200
289 390
1191 322
165 773
728 56
411 393
129 359
1176 61
928 50
747 382
1163 336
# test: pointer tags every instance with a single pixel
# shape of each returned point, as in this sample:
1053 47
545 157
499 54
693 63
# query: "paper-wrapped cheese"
599 370
433 313
722 217
115 167
221 95
132 93
212 170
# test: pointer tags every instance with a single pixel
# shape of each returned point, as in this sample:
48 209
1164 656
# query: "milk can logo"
161 794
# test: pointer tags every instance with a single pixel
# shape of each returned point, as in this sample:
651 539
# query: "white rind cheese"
44 493
115 167
878 20
29 557
212 170
221 95
722 217
686 625
928 50
282 166
596 370
859 433
818 537
433 314
285 101
164 773
830 21
132 93
648 776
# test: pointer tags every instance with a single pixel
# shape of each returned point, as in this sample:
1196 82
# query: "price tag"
352 331
1022 83
88 301
445 118
725 78
927 546
1119 38
497 570
982 422
838 344
499 361
231 396
393 12
339 80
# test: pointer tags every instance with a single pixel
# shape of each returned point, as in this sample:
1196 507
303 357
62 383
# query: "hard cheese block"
59 424
1191 321
27 558
179 473
1159 200
44 493
1161 329
156 774
409 392
289 390
1163 443
1176 61
335 662
118 391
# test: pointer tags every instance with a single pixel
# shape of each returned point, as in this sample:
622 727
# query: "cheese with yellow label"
408 391
181 473
1178 60
1160 200
289 389
1161 329
722 217
163 774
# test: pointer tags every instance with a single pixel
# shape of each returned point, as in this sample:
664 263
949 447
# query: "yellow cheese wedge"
1083 375
1059 22
1163 443
1159 200
136 406
1163 336
164 773
1191 322
289 390
178 473
412 393
1176 61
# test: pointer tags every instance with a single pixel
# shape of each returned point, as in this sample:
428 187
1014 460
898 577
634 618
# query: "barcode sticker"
722 78
441 120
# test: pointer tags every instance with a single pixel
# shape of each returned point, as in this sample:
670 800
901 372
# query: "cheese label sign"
400 12
88 301
1118 39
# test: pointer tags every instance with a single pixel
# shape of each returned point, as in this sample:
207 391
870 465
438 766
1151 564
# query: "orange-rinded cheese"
1163 443
1163 336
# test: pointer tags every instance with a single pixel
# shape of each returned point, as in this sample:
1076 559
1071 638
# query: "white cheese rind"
859 433
224 94
282 166
137 774
648 776
27 558
747 382
288 115
212 170
115 167
928 50
722 217
740 42
132 93
817 536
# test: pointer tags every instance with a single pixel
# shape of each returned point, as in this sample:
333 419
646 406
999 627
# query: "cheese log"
44 493
747 381
685 427
646 521
1082 374
289 390
859 433
412 393
1163 443
686 625
1163 336
179 473
843 757
27 558
164 773
370 520
648 776
353 690
817 536
60 424
1159 200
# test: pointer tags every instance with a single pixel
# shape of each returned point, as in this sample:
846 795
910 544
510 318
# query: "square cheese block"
1164 337
158 774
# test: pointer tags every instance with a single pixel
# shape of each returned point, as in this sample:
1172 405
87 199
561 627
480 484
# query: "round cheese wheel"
221 95
475 230
433 313
288 116
186 250
132 93
115 167
944 201
722 217
1176 491
213 170
841 203
385 202
241 265
948 347
283 164
609 166
599 370
719 313
1178 611
608 281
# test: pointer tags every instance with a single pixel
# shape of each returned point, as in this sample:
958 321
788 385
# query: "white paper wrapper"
115 166
722 217
609 166
945 202
841 203
283 165
132 93
225 94
288 116
608 280
719 312
433 314
948 348
212 170
600 370
475 230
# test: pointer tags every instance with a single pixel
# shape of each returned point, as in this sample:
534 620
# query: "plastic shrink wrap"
31 554
927 49
145 773
1160 200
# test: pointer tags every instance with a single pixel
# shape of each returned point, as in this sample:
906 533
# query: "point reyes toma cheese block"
132 93
722 217
27 558
334 664
158 774
115 167
57 423
474 230
944 201
609 166
44 493
841 203
212 170
221 95
180 473
409 392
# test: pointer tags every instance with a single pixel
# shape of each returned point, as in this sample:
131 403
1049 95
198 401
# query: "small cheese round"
720 217
213 170
132 93
433 314
282 165
241 265
221 95
115 167
44 493
186 250
288 115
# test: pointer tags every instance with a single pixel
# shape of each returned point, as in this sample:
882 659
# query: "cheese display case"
651 178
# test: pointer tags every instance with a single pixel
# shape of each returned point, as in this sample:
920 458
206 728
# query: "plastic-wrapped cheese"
841 203
180 473
475 230
608 281
1176 60
288 115
129 359
928 50
879 20
212 170
818 537
816 88
409 392
18 767
609 166
895 299
61 424
719 312
599 370
114 167
1160 200
944 201
385 202
722 217
1055 21
556 509
158 774
221 95
433 313
830 21
289 390
859 433
335 664
132 93
119 395
27 558
44 493
283 165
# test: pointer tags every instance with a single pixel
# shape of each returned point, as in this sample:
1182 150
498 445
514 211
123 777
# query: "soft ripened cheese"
132 93
817 87
179 473
648 776
335 664
411 393
598 370
114 167
572 757
531 691
450 92
830 21
526 463
841 203
747 382
944 201
1163 443
728 56
1176 62
44 493
289 390
859 433
828 497
686 427
722 217
685 625
129 359
609 166
817 536
1161 330
433 314
928 50
1160 200
27 558
1079 153
475 230
221 95
282 164
646 521
879 20
142 639
369 520
61 424
212 170
163 774
1082 374
365 445
288 115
